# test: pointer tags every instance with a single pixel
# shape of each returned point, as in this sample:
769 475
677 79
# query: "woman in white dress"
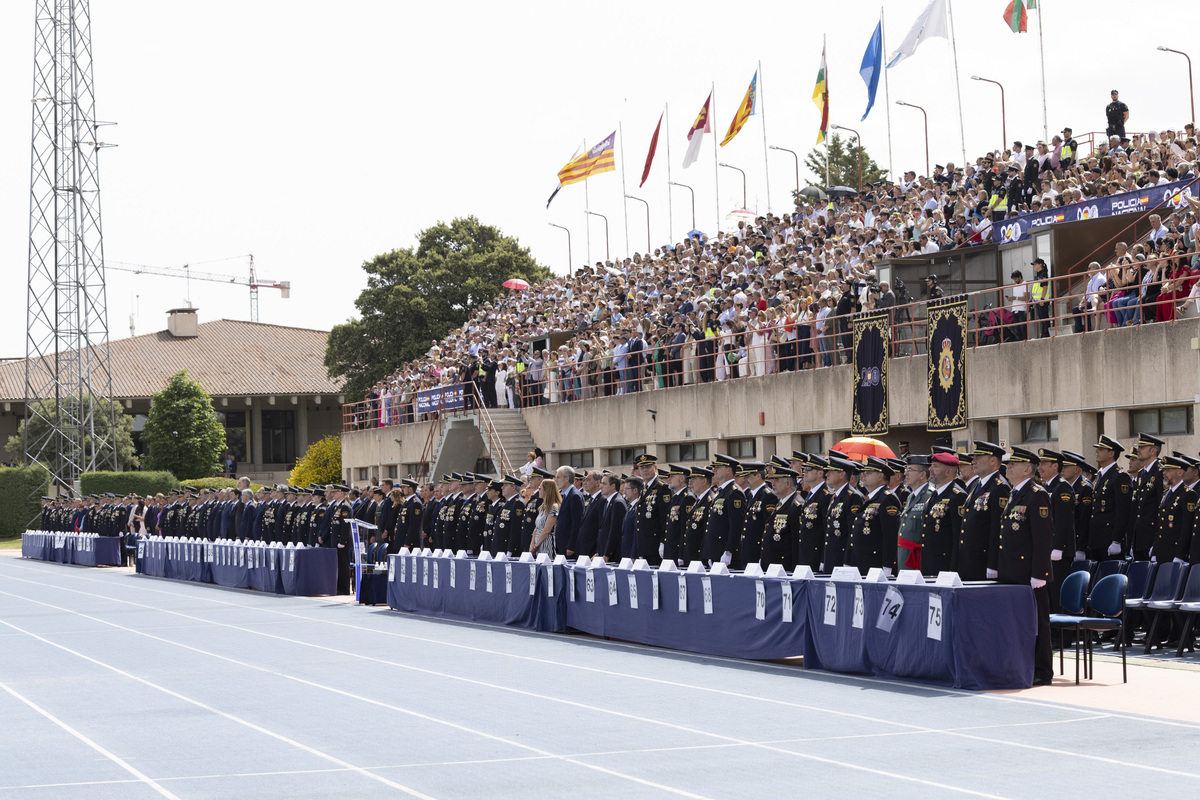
759 333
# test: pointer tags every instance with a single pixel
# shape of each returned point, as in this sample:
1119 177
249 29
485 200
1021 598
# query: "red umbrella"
859 447
516 284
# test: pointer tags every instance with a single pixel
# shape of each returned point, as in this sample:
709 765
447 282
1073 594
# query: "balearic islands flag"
931 22
701 126
745 111
821 98
599 159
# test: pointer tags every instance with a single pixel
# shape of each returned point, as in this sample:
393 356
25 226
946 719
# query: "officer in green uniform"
908 539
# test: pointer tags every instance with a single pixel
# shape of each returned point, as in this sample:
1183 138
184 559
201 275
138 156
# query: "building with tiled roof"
268 383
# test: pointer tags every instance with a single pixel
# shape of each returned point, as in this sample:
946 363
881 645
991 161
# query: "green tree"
414 296
182 434
843 164
103 413
321 463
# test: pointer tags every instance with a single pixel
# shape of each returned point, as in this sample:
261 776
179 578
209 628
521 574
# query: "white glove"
992 574
1114 549
727 558
1080 555
662 548
1037 583
1056 555
1179 561
821 568
1153 559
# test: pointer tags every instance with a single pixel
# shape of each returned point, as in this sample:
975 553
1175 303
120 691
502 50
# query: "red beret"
946 458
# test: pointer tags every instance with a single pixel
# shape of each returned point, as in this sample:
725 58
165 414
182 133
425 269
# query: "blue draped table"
522 594
241 565
85 549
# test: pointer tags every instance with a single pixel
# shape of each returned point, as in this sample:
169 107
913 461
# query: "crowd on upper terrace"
777 292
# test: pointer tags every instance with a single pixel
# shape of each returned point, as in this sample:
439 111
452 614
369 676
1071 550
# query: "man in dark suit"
633 371
844 505
941 521
982 509
780 534
872 541
594 503
1147 493
229 515
631 489
675 356
724 524
655 510
1111 503
488 380
608 545
570 513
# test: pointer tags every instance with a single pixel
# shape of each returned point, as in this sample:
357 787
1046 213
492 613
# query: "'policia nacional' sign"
871 336
947 366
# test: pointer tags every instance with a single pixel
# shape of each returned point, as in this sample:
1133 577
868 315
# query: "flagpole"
587 207
670 205
962 136
624 191
763 113
887 96
1042 53
825 64
712 114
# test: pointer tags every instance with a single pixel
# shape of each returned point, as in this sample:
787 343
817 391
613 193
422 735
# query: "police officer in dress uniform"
844 504
1111 503
1073 468
981 512
1062 511
941 521
728 508
761 503
495 504
339 513
679 511
1175 523
908 539
510 525
812 501
780 534
654 509
691 544
872 541
1147 492
316 516
408 516
898 481
476 508
1022 552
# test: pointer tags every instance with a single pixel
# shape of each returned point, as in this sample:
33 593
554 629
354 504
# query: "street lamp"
570 268
685 186
857 146
1191 94
730 166
796 158
926 116
607 257
1003 112
647 205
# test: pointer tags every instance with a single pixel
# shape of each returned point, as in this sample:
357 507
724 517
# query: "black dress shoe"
1043 681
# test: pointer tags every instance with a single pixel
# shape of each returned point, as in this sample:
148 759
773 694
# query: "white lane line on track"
498 687
246 723
311 684
113 757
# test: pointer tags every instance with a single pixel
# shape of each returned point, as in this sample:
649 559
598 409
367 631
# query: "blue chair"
1168 590
1106 568
1141 583
1108 601
1084 566
1188 607
1071 598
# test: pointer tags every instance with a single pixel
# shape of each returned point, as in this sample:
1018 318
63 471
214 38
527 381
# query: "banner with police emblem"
947 365
871 336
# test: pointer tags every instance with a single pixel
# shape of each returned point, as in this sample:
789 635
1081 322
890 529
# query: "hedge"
218 483
123 483
21 489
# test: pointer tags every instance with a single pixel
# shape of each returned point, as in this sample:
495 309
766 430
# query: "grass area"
10 542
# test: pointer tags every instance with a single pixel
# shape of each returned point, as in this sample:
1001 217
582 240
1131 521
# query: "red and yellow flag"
744 112
599 159
821 98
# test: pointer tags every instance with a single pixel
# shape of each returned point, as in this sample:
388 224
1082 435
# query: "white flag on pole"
930 23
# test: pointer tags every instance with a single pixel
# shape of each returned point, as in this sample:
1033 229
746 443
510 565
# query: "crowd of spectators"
777 292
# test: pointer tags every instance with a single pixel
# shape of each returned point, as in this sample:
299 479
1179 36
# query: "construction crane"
188 274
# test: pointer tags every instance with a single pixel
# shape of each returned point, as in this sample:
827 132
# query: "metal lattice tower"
66 346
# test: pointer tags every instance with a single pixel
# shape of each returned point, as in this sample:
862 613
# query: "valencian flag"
599 159
1015 17
871 335
821 98
745 111
650 155
947 366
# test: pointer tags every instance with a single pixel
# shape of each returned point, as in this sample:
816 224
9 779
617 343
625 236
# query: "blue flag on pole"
872 65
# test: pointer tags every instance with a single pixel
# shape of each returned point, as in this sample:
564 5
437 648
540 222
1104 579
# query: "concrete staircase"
465 441
513 434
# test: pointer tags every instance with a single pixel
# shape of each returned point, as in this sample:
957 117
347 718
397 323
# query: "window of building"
813 442
391 471
235 432
577 458
1039 429
742 449
364 473
623 456
687 451
1176 420
278 437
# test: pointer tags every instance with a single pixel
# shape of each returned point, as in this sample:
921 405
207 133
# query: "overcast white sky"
317 135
